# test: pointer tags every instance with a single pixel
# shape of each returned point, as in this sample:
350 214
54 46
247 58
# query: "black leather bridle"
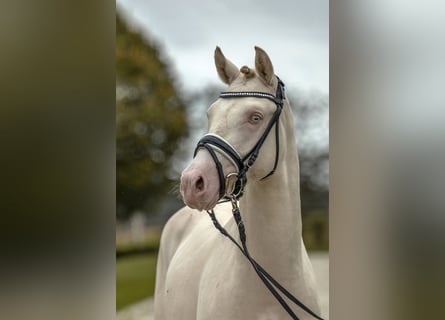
212 142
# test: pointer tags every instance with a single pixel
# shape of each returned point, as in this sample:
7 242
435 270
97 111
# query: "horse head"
236 128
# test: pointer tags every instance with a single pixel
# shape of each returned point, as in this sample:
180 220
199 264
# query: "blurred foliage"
149 243
150 121
316 230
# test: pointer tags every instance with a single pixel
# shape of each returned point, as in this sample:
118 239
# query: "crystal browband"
246 94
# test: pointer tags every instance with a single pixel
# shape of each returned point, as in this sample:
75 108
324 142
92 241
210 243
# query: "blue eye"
255 118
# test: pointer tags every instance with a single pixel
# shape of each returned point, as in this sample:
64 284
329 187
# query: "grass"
135 278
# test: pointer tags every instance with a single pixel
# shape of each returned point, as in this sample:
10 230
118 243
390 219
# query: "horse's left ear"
263 65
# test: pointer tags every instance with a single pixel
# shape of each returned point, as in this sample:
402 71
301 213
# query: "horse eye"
255 118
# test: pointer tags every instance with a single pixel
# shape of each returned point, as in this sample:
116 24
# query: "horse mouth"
201 204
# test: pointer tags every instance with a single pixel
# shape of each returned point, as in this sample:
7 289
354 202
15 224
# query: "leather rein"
214 143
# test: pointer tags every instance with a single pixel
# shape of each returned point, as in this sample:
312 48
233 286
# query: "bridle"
214 143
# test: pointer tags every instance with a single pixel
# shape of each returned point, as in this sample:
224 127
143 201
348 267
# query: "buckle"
228 179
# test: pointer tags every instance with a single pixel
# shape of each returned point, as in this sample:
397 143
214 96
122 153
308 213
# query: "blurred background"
58 124
165 81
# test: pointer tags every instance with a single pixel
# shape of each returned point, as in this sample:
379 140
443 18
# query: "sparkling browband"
247 94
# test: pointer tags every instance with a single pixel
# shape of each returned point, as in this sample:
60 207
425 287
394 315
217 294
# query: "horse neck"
272 215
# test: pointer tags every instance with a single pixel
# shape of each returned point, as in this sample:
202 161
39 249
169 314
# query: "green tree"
150 121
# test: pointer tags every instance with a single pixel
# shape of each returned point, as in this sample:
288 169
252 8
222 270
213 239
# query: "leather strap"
269 281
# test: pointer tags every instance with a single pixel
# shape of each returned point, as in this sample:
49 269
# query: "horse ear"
263 65
227 71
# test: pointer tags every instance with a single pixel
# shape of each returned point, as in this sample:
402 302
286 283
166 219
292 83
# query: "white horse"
200 273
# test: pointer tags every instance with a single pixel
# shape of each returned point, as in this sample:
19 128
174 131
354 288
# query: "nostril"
199 184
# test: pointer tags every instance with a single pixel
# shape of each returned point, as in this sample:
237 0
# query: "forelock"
247 72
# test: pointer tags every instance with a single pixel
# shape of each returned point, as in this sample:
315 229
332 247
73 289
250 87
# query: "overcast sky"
294 33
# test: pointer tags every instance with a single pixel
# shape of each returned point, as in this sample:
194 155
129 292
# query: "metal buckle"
237 186
227 184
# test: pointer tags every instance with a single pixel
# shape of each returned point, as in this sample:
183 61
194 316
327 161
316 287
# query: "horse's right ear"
227 71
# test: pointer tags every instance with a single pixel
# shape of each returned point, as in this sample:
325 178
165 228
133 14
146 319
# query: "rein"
212 142
267 279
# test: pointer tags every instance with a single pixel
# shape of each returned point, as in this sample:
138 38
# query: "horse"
202 275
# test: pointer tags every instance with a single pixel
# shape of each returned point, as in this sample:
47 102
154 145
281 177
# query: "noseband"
212 142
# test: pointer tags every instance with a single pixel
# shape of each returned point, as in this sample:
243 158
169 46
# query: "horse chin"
206 203
210 205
